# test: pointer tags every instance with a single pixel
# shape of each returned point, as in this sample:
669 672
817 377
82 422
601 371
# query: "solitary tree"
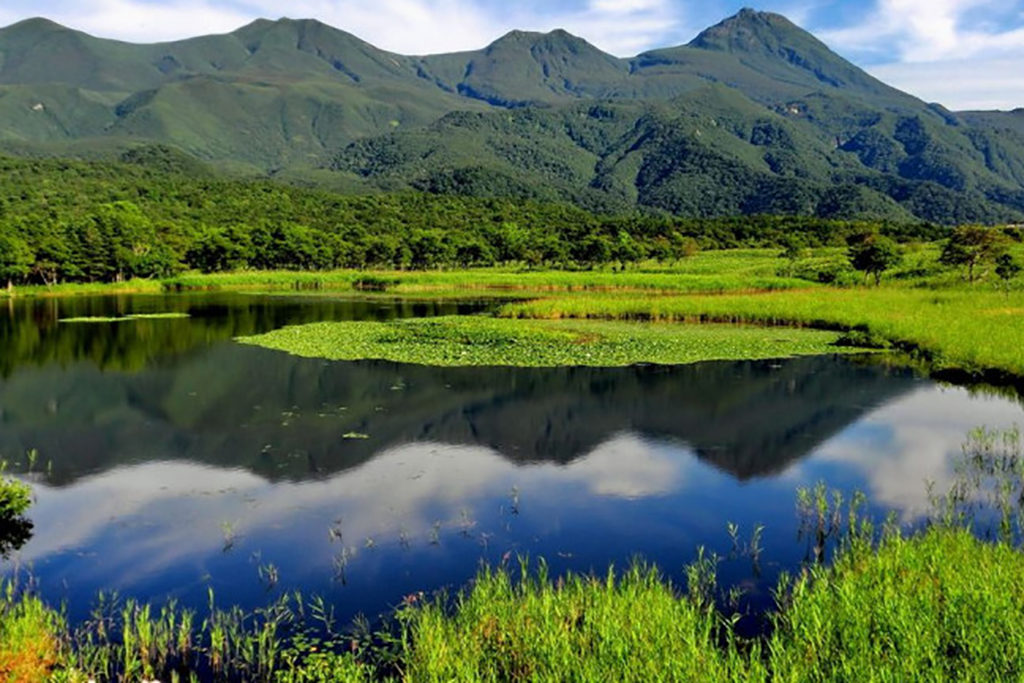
1007 268
972 246
873 254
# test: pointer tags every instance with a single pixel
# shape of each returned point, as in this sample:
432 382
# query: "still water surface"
172 459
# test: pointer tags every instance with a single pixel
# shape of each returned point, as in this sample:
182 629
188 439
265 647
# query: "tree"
873 254
794 249
16 258
971 246
1007 268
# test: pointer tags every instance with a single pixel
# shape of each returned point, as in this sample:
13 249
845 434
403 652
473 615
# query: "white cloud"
402 489
132 20
915 440
940 51
960 84
622 27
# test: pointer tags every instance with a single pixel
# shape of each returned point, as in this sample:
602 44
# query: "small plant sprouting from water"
269 575
822 520
466 522
31 456
334 532
753 549
987 492
229 531
734 536
340 564
435 533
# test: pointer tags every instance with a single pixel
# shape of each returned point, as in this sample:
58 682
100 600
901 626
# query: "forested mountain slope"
754 115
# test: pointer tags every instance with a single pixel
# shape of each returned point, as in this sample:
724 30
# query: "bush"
15 497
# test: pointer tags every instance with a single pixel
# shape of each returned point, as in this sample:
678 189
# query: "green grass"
939 605
488 341
972 330
713 271
136 286
30 634
632 627
125 318
15 497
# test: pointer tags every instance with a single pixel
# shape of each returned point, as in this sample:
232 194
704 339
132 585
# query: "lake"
172 460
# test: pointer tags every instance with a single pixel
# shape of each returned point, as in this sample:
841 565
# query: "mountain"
753 115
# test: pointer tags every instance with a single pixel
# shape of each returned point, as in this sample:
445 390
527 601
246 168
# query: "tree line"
79 221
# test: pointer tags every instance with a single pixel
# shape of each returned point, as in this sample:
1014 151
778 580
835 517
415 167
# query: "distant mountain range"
755 115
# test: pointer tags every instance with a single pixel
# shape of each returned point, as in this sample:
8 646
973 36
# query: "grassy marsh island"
477 340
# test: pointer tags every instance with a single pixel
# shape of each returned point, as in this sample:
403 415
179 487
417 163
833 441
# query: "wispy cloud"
928 30
622 27
136 20
963 53
996 83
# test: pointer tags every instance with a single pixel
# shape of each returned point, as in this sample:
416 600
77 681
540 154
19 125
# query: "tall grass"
633 627
30 637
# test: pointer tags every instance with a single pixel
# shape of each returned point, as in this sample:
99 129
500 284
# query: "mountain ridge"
753 114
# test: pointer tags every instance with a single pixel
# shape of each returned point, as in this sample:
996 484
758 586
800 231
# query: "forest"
155 215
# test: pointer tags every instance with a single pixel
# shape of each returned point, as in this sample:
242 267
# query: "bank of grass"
484 341
713 272
716 271
974 330
940 605
125 318
135 286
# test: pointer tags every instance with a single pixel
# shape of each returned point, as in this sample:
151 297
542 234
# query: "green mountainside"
755 115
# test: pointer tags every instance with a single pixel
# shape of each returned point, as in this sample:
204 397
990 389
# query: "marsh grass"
476 340
288 640
959 329
30 633
579 628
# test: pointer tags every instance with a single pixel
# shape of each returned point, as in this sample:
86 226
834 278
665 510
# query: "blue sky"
962 53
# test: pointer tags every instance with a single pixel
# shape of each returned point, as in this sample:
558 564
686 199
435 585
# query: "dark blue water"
172 460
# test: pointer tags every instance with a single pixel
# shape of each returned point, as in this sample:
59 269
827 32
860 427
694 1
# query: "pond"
172 460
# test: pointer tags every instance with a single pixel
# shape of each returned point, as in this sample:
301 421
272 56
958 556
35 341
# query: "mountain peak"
35 26
750 30
557 36
774 46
